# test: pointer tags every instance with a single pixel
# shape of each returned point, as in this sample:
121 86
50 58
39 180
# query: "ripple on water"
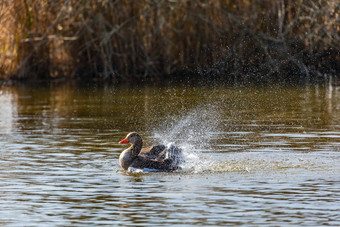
254 157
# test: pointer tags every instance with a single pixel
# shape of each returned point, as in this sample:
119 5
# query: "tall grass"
148 38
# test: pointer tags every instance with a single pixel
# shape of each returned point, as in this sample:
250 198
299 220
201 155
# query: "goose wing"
153 152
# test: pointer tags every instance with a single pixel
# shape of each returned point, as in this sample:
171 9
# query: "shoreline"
185 79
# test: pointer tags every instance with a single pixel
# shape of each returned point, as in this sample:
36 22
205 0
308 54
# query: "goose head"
132 138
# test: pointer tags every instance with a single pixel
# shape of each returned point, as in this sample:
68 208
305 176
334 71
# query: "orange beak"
124 141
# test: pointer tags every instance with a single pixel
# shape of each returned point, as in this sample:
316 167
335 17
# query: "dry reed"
149 38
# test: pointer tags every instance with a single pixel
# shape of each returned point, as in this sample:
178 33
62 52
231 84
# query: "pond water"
255 156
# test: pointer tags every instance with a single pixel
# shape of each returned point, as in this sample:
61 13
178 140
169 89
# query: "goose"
159 157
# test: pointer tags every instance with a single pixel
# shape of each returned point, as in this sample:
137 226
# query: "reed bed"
129 39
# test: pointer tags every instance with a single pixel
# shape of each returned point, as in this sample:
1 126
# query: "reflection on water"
8 110
255 156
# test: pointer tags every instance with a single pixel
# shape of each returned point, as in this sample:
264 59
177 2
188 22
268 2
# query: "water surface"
254 156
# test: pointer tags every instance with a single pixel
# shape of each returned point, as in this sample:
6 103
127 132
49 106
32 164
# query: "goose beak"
124 141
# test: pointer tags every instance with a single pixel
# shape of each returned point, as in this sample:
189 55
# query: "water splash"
192 131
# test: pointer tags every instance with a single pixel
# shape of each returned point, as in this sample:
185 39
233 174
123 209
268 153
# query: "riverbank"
253 40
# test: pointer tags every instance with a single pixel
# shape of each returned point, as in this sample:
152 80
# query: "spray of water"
193 131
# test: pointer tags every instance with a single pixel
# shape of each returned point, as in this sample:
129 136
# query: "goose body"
160 157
